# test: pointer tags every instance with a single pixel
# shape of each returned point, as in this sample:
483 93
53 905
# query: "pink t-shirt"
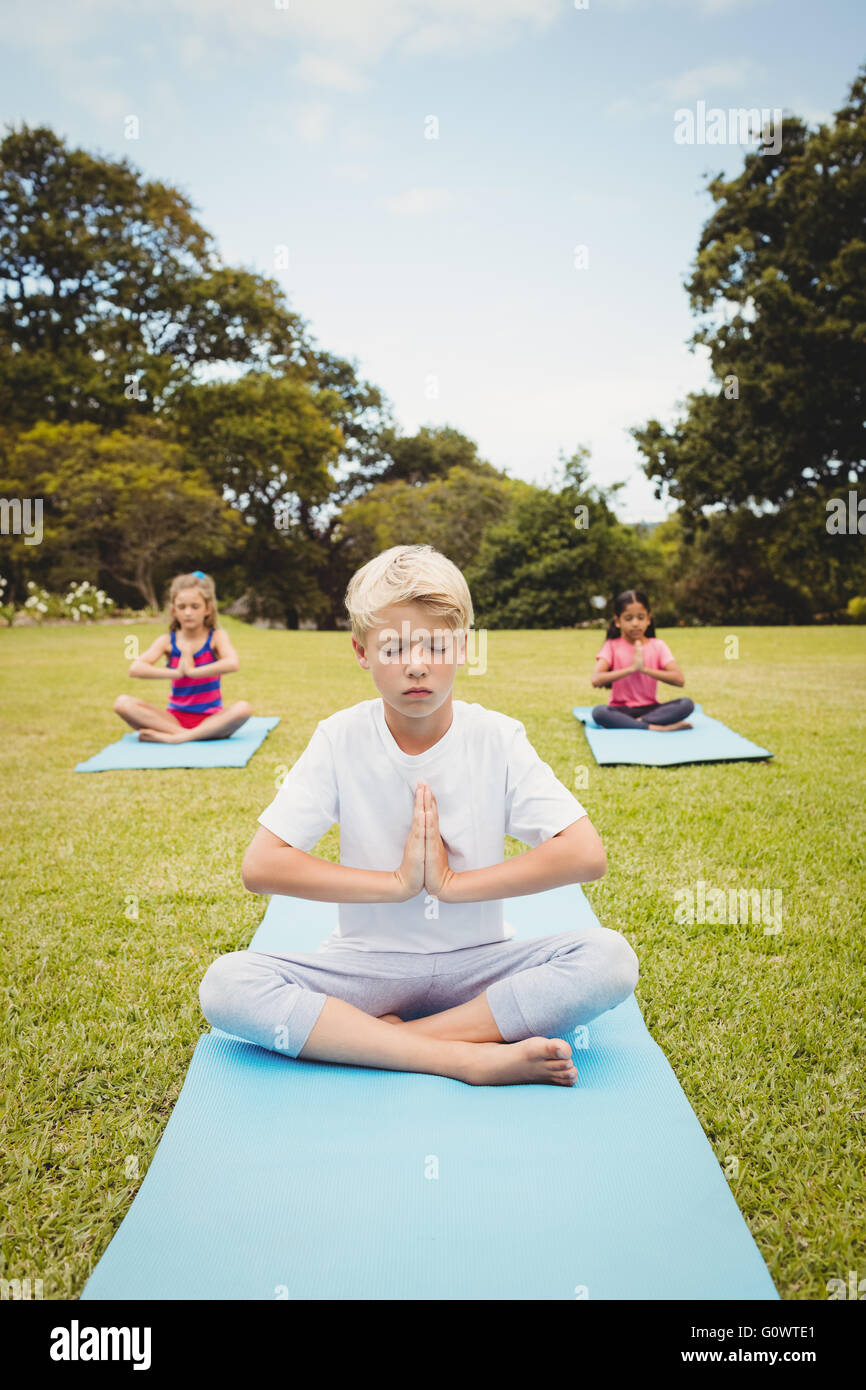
638 689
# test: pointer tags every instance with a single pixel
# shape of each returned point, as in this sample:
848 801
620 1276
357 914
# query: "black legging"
641 716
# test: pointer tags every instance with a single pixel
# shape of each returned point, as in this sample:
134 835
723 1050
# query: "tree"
785 251
449 513
556 549
106 281
123 508
106 278
431 453
268 444
432 488
780 567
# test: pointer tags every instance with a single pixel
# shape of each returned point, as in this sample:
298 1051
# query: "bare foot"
156 736
508 1064
390 1018
664 728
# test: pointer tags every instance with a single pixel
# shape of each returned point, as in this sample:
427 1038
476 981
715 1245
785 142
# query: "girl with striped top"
199 653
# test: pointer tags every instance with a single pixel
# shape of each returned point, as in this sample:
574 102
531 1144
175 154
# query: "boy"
420 974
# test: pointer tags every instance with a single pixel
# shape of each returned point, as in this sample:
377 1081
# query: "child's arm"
271 865
573 855
227 659
603 675
143 666
670 673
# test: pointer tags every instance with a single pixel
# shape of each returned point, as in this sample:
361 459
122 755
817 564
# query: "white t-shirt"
488 781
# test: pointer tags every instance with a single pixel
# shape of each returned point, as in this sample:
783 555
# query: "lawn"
121 887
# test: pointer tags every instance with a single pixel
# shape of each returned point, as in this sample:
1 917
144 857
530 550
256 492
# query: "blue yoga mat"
709 741
279 1178
235 751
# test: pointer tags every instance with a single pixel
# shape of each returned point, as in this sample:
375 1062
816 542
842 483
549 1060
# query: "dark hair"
620 603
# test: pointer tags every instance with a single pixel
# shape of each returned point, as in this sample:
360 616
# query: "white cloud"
435 38
192 49
417 202
708 9
705 82
105 104
52 27
353 172
332 45
311 121
365 30
713 7
329 72
601 202
622 106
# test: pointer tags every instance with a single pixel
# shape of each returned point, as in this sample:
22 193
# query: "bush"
82 603
857 609
7 610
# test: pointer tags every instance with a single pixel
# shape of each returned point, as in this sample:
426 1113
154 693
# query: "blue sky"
446 268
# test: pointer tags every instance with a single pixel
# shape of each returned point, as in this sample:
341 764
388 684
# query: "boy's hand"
437 871
410 875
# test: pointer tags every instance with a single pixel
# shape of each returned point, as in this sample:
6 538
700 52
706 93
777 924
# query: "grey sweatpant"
543 987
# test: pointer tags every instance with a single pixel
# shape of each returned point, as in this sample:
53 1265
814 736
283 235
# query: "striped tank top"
195 696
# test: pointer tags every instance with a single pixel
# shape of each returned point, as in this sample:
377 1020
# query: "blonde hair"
205 586
408 574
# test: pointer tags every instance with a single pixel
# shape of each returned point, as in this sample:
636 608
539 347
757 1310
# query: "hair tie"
199 574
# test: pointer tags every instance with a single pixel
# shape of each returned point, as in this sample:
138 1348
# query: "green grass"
765 1032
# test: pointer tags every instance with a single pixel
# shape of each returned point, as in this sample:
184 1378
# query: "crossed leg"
606 957
293 1004
160 726
469 1022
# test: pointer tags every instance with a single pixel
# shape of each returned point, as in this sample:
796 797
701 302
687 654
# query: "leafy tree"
105 276
779 567
431 453
557 549
780 277
123 508
430 483
268 444
449 512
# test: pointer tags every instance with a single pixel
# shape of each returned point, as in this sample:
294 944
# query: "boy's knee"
120 704
218 988
242 707
622 963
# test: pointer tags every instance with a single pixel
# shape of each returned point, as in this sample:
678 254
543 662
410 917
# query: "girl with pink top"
630 662
198 653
